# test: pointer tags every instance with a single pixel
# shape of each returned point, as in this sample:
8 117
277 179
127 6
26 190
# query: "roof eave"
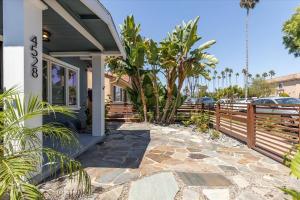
103 14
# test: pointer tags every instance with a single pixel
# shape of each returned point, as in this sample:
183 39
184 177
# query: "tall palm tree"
226 74
272 73
265 75
219 77
223 77
214 83
236 78
247 4
257 75
229 75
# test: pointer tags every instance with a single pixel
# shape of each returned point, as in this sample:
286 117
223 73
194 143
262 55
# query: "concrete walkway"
143 161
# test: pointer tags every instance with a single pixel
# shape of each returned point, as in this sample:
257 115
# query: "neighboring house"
289 84
48 47
115 87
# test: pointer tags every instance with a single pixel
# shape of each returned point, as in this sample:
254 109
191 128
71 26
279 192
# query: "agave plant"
21 150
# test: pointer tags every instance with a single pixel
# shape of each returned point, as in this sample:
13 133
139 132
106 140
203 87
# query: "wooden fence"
272 130
122 112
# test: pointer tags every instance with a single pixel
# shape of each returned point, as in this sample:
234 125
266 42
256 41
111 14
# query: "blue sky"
224 21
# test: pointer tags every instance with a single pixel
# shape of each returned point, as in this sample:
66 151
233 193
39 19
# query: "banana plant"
133 64
152 54
187 59
21 150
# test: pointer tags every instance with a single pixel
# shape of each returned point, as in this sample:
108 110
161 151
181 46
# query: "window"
60 82
119 94
45 81
58 85
72 83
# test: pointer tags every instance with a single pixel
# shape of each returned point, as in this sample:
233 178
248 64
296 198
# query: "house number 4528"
34 54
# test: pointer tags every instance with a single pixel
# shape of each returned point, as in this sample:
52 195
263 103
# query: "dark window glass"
45 81
58 85
72 83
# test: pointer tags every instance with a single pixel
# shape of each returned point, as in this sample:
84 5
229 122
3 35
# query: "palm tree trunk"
143 98
247 70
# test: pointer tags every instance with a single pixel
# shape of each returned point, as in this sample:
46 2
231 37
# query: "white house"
49 44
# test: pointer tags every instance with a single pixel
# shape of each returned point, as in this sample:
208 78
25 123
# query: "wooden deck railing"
270 129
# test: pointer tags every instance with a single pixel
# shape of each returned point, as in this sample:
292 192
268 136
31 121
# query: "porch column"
22 46
98 114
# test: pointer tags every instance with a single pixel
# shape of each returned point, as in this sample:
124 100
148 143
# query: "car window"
268 101
258 101
288 101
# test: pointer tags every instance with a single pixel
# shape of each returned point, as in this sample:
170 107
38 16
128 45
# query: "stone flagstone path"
141 161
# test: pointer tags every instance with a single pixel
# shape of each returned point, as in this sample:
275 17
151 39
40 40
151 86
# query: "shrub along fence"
270 129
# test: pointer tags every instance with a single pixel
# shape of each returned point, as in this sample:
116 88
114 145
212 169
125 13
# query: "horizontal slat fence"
122 112
270 129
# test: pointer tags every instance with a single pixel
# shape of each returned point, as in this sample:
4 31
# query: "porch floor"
144 161
86 141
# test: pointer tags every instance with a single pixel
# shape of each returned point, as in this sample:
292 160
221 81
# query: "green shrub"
284 95
201 120
186 123
214 134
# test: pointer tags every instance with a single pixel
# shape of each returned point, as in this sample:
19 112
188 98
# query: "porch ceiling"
64 37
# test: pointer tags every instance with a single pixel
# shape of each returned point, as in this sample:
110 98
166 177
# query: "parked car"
191 100
207 101
273 105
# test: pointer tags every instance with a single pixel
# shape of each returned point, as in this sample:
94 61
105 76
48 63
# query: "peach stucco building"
289 84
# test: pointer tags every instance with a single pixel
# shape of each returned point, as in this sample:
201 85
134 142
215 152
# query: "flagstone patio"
145 161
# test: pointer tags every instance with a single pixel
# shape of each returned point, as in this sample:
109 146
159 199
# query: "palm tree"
214 83
257 75
244 72
219 77
247 4
236 78
226 74
229 74
21 149
223 77
264 75
272 73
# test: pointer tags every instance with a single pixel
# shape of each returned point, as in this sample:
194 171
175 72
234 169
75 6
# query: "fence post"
251 125
218 117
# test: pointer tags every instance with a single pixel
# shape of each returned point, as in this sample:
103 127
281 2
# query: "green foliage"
260 88
283 94
186 123
291 31
293 162
229 92
214 134
201 120
21 150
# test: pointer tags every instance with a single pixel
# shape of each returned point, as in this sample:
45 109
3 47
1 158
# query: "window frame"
67 67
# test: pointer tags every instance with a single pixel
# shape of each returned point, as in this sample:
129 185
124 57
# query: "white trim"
102 13
64 14
50 60
72 53
39 4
